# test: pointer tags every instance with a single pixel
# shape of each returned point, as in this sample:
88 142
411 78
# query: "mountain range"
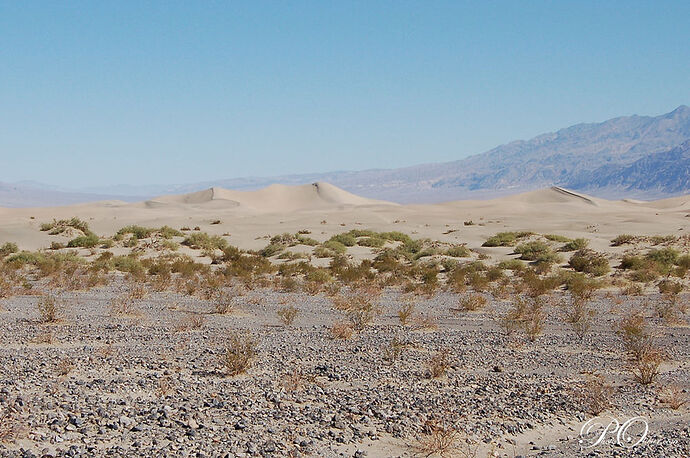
644 157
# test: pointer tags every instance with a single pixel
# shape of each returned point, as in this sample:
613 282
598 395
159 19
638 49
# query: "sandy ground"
141 384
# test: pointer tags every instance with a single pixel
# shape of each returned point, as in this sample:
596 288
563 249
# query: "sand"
326 210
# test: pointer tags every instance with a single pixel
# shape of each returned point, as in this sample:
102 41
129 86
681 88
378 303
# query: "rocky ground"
151 382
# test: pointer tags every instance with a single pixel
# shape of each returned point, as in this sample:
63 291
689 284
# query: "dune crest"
276 198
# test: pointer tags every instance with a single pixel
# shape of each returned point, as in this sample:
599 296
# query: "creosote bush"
48 309
240 352
288 314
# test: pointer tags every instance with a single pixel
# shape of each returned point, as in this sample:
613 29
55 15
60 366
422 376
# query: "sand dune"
272 199
325 210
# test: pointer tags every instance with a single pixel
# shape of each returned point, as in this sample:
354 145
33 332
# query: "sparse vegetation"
240 352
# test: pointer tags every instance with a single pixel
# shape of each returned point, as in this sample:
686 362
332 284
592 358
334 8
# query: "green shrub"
344 239
335 246
168 232
373 242
590 262
458 251
8 249
59 226
86 241
512 264
271 250
201 240
557 238
139 232
532 251
664 256
623 239
302 240
575 245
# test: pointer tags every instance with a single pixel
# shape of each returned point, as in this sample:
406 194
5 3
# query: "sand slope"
326 210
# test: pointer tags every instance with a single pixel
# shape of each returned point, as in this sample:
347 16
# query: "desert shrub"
664 256
396 236
581 287
59 226
345 239
633 263
575 245
595 394
526 315
288 314
168 232
644 356
271 249
341 330
85 241
128 264
472 302
505 239
623 239
439 363
531 251
335 246
589 262
442 439
683 261
670 287
202 240
405 312
512 264
458 251
222 303
478 280
580 317
7 249
673 396
557 238
535 285
190 322
359 309
139 232
659 239
372 242
240 351
302 240
48 310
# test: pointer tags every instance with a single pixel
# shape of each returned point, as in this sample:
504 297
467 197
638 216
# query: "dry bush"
44 338
240 351
440 438
222 304
673 396
137 291
48 309
425 321
645 369
580 317
644 355
439 363
393 351
633 289
288 314
341 330
190 322
526 315
124 305
11 427
295 381
358 307
670 309
595 394
65 366
405 312
165 387
472 303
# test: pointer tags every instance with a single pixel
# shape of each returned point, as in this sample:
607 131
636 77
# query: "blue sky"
97 93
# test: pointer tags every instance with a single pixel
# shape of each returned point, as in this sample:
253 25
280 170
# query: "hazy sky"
140 92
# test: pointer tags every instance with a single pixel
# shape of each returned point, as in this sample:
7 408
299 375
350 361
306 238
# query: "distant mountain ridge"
631 156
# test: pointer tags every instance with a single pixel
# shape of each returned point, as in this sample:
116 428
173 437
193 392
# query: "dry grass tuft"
341 330
673 396
439 363
439 438
240 351
48 309
288 314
